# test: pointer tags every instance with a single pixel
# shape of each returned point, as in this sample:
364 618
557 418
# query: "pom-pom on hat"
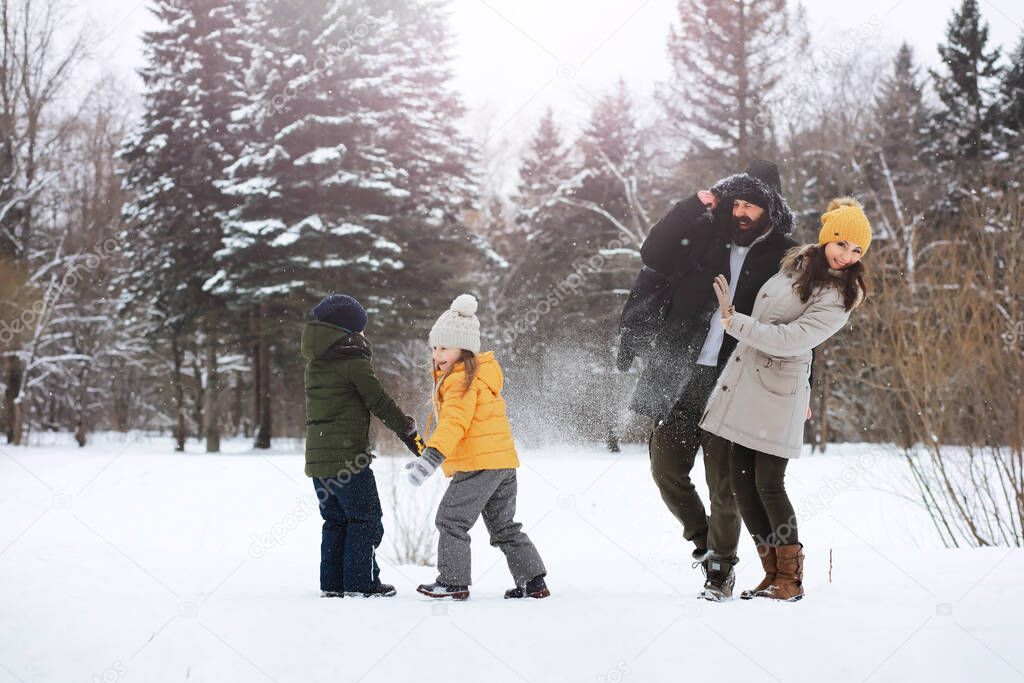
458 327
845 220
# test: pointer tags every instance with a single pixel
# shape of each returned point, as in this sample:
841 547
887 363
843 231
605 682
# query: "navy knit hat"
343 311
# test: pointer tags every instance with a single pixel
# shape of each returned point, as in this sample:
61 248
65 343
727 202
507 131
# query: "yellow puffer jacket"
473 432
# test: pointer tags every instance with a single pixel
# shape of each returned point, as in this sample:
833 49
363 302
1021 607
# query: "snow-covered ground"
125 561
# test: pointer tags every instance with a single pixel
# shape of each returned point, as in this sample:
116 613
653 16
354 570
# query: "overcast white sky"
515 57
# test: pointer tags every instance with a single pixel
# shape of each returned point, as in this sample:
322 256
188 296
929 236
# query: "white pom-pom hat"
458 327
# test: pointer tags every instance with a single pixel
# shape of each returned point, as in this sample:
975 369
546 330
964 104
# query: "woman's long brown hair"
816 271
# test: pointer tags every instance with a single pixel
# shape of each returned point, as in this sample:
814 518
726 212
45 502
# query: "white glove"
422 467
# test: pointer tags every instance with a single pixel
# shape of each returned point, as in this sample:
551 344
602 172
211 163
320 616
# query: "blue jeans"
352 531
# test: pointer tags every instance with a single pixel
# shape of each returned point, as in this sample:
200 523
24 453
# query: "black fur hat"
760 186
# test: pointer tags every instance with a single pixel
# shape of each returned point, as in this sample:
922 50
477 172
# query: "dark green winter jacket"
341 392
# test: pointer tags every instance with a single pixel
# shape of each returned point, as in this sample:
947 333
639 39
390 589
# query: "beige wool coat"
762 394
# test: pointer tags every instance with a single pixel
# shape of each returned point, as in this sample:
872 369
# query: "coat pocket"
778 381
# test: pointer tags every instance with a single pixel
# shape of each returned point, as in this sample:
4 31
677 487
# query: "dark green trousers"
759 480
673 447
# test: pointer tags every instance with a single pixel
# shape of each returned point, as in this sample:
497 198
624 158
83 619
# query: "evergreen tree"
581 214
176 154
583 226
545 167
893 164
171 164
540 252
900 114
354 178
612 228
727 64
962 130
1011 108
439 163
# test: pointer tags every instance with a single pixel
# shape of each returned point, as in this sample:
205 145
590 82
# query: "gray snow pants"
491 493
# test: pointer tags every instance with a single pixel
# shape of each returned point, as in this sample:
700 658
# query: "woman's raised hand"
725 308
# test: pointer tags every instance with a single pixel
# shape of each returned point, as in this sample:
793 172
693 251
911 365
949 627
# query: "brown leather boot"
789 578
768 563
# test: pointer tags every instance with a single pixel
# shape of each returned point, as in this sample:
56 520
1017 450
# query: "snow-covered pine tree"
1010 109
544 167
439 165
892 178
584 218
539 254
311 187
532 290
355 176
961 135
614 183
900 114
893 166
171 162
727 63
579 203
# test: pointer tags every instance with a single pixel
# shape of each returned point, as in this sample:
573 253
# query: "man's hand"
708 198
725 308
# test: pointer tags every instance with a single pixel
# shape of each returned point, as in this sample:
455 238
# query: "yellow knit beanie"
845 220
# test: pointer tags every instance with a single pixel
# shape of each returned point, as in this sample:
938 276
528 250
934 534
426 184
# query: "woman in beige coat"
763 395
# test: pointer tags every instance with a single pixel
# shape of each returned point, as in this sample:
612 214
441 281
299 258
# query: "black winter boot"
534 588
381 590
442 590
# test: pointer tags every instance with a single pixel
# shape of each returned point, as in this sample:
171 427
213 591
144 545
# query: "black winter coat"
668 314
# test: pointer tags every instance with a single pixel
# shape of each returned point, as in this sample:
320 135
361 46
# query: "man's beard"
744 231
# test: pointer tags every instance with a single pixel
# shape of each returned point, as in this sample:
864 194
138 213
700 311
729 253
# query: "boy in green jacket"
341 392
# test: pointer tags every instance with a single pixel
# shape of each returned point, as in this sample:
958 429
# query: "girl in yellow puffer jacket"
473 445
